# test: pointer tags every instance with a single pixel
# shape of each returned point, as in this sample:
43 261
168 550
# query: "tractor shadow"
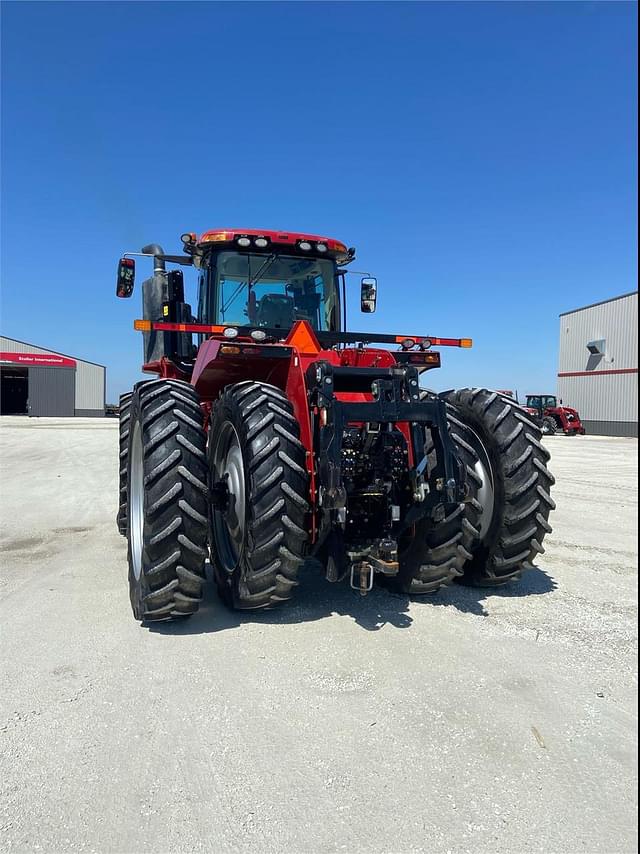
317 599
469 600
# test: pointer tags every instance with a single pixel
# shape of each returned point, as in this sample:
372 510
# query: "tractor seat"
275 311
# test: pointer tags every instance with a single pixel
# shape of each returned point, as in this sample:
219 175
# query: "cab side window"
202 304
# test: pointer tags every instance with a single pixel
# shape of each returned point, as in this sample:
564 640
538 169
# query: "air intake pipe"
154 294
156 250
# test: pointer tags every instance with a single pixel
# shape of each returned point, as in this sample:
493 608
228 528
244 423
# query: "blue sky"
481 157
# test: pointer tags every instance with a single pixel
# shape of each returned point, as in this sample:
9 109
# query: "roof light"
321 247
244 241
230 332
261 242
466 342
258 335
142 325
304 245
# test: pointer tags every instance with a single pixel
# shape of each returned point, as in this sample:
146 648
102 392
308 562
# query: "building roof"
602 302
56 352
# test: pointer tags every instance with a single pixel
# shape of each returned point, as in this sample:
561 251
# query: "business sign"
37 360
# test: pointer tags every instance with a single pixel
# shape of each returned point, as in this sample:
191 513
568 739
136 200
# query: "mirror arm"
184 260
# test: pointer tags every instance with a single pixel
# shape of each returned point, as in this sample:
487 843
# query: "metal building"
598 370
37 381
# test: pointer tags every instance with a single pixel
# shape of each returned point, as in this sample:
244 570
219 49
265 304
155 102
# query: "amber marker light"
217 237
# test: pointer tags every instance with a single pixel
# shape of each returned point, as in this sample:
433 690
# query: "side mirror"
368 295
126 277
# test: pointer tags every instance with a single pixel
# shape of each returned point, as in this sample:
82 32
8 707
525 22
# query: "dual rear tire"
254 470
512 485
497 533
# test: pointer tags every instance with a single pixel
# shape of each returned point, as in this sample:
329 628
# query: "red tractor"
277 435
551 417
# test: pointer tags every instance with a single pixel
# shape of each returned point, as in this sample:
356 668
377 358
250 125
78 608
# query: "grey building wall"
90 388
90 378
603 388
51 391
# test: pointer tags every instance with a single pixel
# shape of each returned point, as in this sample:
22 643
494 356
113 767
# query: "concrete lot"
480 721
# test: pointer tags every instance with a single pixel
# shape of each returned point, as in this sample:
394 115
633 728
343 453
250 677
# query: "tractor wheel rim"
229 524
136 499
486 491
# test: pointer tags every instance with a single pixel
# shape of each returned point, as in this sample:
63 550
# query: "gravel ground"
480 721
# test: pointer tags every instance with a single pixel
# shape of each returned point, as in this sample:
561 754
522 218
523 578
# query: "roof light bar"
262 239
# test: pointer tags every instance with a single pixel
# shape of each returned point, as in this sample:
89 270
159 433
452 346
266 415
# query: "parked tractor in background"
277 435
552 417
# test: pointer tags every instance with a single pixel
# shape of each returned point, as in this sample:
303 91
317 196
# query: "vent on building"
597 348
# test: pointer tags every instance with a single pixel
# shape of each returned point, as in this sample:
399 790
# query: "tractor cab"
269 290
248 280
269 279
540 402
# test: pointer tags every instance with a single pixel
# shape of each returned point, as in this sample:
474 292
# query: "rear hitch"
362 577
381 557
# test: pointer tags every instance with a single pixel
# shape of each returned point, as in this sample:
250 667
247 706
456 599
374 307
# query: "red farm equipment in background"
552 417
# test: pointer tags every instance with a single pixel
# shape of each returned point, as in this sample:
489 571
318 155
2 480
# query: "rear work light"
420 358
425 358
244 241
261 242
